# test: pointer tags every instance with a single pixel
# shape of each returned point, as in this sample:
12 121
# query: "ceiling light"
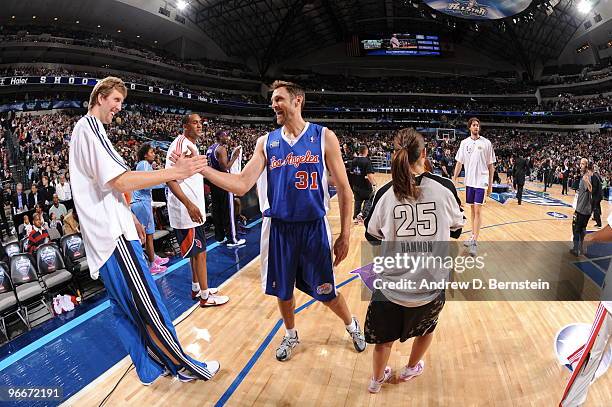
181 4
99 26
13 17
33 17
138 36
584 6
77 21
55 19
119 31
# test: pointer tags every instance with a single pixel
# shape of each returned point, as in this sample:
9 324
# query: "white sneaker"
196 294
357 336
285 349
473 248
186 376
409 373
468 242
165 373
213 300
66 303
238 243
375 385
57 305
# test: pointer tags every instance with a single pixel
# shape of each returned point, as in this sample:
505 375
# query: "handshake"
188 163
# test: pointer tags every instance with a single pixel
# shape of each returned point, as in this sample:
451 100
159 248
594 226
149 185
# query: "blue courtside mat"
68 352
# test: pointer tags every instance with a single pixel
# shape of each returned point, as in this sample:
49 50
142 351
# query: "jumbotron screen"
402 44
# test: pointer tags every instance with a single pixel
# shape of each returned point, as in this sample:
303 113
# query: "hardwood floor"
485 353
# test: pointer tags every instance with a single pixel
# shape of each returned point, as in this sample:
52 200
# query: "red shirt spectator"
38 236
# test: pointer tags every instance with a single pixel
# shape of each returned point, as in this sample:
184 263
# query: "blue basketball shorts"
191 241
144 213
297 254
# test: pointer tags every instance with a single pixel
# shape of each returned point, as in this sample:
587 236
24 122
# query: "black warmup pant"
360 195
597 211
564 186
223 214
519 192
579 225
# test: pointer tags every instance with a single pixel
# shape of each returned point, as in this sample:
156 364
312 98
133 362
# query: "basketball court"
484 353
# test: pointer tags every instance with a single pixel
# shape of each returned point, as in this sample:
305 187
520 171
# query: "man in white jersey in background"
477 156
100 178
187 213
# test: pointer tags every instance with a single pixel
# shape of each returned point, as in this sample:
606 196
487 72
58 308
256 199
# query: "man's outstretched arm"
241 183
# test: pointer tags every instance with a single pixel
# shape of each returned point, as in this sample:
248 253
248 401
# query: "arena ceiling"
272 30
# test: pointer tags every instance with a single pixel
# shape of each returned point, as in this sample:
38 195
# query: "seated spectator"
46 190
38 209
62 189
58 209
25 228
38 236
20 203
35 197
56 230
71 223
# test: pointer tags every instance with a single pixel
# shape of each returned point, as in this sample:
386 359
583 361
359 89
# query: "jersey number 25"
423 222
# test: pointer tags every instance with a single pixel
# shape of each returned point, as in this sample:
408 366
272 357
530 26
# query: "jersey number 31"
304 177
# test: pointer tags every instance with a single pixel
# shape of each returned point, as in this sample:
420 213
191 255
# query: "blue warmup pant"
136 304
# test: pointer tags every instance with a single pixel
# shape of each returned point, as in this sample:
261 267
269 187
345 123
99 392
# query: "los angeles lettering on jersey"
295 160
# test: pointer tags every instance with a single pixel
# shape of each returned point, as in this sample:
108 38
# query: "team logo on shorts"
325 289
198 243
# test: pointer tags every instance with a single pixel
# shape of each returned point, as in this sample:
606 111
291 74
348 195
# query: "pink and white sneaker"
409 373
375 385
160 261
157 269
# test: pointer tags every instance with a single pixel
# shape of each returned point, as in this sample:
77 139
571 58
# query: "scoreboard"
402 44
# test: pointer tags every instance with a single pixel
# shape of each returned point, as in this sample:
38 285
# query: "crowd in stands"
43 140
412 84
564 102
99 40
468 104
543 150
42 144
570 103
550 76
